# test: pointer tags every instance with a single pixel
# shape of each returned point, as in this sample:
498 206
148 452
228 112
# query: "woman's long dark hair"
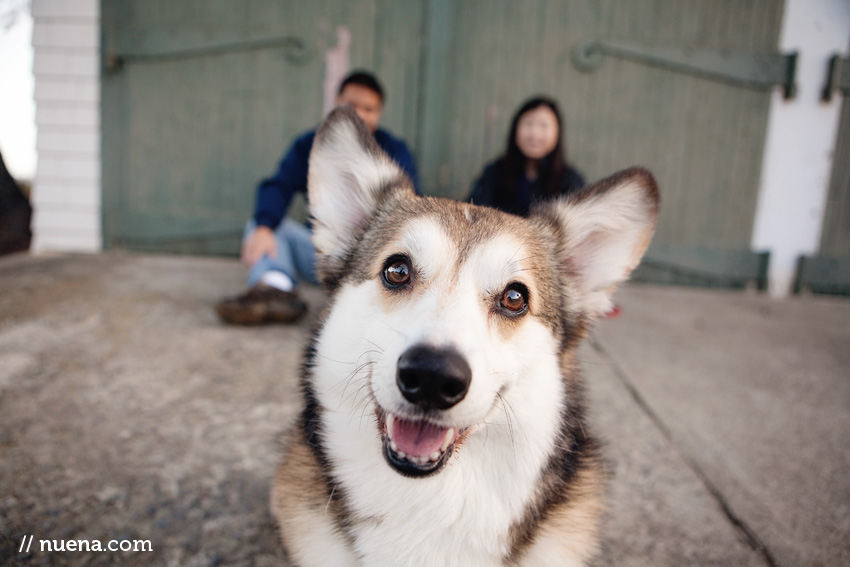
552 166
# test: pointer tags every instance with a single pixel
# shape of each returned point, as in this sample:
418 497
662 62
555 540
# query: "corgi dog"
443 420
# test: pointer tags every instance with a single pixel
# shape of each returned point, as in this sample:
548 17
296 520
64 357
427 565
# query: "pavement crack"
747 533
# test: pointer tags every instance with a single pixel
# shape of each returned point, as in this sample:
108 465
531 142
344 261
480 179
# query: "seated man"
278 250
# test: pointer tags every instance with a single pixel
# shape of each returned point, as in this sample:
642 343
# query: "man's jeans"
296 256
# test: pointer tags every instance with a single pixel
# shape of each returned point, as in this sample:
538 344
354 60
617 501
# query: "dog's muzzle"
432 380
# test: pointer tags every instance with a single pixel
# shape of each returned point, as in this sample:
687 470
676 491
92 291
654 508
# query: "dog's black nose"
433 378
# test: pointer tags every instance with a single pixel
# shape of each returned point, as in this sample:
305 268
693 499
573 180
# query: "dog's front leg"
299 502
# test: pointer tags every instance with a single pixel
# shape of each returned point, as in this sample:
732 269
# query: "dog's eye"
396 272
515 298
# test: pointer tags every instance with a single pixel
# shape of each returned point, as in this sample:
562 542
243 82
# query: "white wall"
66 190
17 108
801 136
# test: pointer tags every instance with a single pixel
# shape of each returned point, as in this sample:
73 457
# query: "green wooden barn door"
702 137
209 94
201 99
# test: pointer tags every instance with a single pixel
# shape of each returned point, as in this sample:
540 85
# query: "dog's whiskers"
330 498
376 350
563 447
363 406
508 411
513 263
511 259
354 398
358 366
323 357
390 327
379 350
366 405
351 376
358 399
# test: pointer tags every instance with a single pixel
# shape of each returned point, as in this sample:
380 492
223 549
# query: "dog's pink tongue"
418 438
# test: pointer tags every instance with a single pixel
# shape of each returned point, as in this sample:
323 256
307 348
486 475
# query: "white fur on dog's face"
452 302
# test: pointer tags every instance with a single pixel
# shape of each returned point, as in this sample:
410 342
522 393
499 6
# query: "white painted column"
801 136
67 190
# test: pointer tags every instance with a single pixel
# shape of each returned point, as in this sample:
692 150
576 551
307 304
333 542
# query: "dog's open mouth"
417 448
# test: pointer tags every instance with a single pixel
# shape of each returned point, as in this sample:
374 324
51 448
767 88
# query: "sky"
17 107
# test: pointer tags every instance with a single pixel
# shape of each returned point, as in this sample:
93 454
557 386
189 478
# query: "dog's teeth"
401 454
450 433
390 421
435 456
393 446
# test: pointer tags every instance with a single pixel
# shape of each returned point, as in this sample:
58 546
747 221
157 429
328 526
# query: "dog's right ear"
349 175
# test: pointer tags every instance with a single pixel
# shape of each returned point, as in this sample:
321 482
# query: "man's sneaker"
262 304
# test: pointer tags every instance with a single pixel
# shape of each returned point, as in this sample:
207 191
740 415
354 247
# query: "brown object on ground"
262 304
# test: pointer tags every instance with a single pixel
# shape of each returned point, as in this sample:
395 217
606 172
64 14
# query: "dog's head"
448 318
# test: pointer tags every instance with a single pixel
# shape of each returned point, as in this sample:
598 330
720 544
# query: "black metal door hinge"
752 70
837 77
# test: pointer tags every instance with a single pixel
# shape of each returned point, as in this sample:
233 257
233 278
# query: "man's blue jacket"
274 195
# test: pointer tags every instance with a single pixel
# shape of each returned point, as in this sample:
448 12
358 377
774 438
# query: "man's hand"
259 243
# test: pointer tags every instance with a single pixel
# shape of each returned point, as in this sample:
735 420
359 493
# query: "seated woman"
534 166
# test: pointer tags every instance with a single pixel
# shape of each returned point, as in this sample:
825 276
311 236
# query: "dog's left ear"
348 177
603 232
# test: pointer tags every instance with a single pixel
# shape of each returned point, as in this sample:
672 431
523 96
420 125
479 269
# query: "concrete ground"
128 412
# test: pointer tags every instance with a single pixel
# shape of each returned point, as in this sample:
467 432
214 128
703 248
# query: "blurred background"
156 119
127 410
